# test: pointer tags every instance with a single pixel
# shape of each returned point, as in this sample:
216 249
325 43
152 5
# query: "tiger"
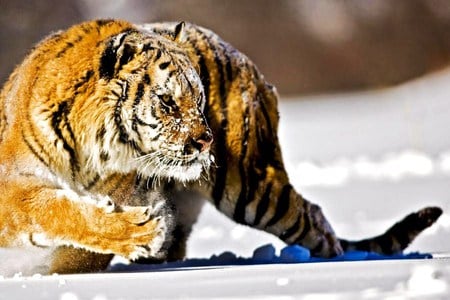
113 135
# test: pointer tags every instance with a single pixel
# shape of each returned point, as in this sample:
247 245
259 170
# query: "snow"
366 158
405 279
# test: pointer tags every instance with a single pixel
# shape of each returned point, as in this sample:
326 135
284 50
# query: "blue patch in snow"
299 254
266 255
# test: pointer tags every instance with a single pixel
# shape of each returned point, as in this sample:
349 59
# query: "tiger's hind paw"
321 240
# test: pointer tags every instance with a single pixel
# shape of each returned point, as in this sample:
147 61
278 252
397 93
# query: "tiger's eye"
168 102
166 98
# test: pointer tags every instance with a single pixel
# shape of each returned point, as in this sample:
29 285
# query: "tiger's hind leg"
250 182
69 260
278 209
252 187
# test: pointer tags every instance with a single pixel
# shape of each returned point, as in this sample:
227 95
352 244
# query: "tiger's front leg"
47 217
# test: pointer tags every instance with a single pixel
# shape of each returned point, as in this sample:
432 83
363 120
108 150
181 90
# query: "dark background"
302 46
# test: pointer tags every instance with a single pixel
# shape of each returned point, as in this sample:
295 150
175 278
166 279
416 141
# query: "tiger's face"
158 106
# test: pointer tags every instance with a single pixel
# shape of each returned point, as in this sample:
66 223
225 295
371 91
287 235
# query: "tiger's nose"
201 143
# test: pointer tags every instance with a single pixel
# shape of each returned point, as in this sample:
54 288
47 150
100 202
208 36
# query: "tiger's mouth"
187 168
171 166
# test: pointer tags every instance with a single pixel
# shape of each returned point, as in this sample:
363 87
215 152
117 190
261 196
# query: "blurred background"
364 133
302 46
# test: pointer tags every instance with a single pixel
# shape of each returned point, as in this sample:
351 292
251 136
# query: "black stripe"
204 74
68 126
60 119
147 78
266 137
158 55
123 134
291 231
64 50
99 137
143 123
137 100
246 187
101 184
41 149
221 79
104 156
263 205
3 124
221 171
83 80
100 134
135 146
244 198
254 179
103 22
164 65
266 115
34 151
306 226
282 205
221 156
147 47
156 137
86 27
127 55
93 182
228 65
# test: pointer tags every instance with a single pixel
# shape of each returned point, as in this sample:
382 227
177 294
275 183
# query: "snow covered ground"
319 281
367 158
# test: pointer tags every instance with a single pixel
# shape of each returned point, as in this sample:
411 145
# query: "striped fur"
112 134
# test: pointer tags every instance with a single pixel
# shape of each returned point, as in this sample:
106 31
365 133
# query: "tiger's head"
155 123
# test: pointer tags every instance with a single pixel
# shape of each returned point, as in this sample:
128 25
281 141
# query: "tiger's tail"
399 236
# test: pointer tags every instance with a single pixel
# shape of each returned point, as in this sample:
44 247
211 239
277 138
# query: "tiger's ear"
117 53
179 34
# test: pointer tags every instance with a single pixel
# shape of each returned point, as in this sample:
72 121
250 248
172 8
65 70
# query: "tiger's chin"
185 173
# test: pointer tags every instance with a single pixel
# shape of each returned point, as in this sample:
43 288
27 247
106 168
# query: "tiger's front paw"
160 230
132 231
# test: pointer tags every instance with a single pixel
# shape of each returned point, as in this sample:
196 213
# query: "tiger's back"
136 115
